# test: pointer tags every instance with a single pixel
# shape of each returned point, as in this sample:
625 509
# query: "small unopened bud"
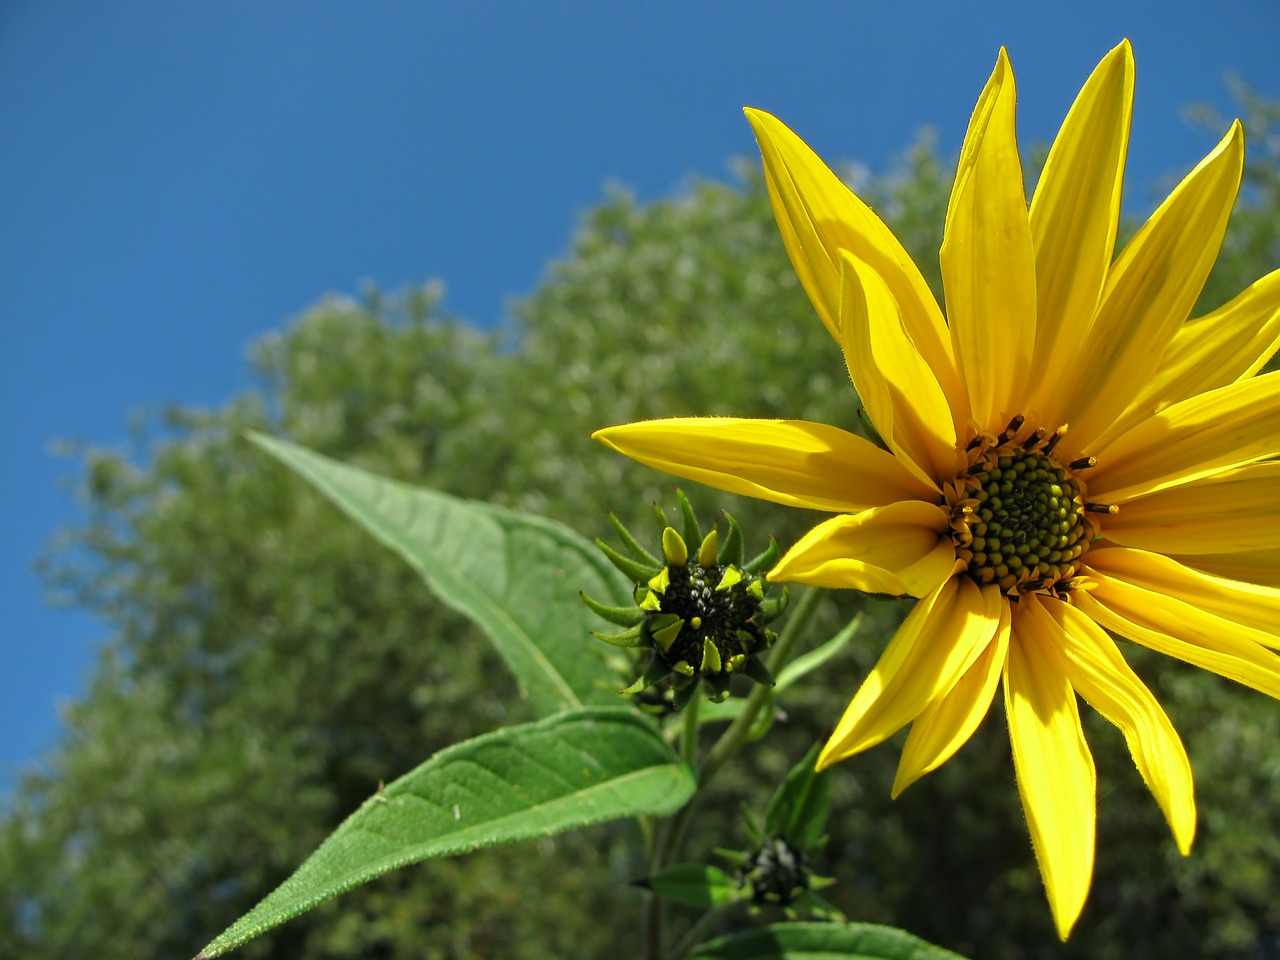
702 617
776 874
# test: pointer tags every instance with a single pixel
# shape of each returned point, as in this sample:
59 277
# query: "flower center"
708 604
1019 518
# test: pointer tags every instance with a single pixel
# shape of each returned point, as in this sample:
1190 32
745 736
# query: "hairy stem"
733 738
672 832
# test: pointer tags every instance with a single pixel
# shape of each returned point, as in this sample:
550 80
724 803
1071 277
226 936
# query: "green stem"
671 833
654 917
733 738
655 909
689 731
695 933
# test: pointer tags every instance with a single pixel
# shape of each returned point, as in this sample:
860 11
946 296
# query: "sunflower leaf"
823 941
533 780
516 576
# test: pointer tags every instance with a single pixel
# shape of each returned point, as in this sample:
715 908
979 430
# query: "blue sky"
177 179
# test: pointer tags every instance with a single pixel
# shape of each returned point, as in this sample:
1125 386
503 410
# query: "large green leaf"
824 941
517 576
590 765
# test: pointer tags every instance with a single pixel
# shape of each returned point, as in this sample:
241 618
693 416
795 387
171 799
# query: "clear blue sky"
177 178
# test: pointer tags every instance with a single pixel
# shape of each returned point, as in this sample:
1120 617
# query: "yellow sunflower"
1068 455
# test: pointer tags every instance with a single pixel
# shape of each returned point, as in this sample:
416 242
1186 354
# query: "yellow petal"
948 722
1074 216
1180 630
1056 778
899 549
939 640
1232 343
1150 292
1227 427
988 264
895 384
1099 673
1249 566
1243 603
1234 510
818 216
795 462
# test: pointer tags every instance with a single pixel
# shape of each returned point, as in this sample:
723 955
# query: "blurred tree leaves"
270 664
1253 242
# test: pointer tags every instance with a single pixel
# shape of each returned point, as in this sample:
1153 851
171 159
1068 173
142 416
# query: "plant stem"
655 909
689 732
672 832
654 917
694 933
733 738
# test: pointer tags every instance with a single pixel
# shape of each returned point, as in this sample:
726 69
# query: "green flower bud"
701 616
777 874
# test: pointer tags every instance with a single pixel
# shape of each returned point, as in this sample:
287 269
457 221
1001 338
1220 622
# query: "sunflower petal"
1074 215
1226 427
1229 511
1232 343
1150 291
1056 777
948 722
1099 673
1182 631
899 390
1248 566
818 216
795 462
1242 603
898 549
939 640
987 259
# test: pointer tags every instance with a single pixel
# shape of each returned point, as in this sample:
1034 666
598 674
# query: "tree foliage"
270 665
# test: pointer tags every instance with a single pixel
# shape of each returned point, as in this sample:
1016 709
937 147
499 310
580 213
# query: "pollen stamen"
1053 441
1011 430
1035 439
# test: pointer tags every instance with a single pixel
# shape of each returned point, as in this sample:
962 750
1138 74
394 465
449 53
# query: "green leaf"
517 576
798 809
519 782
695 884
824 941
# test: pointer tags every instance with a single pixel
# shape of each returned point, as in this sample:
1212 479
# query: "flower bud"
700 612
